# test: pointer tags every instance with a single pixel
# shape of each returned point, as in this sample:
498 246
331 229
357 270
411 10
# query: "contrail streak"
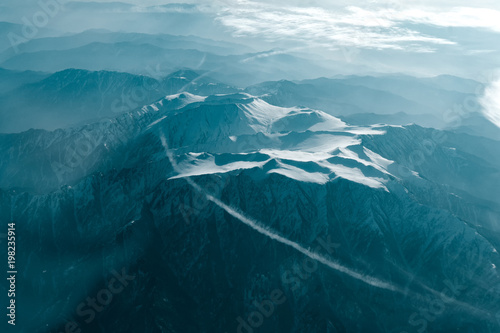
264 230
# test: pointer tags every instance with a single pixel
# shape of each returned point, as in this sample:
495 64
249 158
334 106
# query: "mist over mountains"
243 166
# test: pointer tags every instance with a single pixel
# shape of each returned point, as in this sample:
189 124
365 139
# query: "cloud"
376 26
173 8
353 27
490 102
454 17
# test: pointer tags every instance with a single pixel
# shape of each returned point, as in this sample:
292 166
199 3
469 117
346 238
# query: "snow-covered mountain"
74 96
215 203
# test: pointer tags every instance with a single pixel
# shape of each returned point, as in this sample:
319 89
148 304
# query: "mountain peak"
186 74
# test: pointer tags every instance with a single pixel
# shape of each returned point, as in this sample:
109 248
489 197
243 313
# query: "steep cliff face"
227 214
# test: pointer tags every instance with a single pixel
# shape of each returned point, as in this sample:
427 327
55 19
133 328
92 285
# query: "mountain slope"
74 96
160 40
214 203
10 80
335 97
137 56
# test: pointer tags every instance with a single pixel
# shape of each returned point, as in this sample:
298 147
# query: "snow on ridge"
269 118
188 97
263 114
307 164
299 143
174 102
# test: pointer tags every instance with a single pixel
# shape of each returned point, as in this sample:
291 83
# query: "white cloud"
375 26
453 17
491 102
354 27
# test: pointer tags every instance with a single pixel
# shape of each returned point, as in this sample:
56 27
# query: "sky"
358 31
330 25
450 34
421 38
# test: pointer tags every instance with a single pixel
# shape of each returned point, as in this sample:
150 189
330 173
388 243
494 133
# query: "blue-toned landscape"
246 166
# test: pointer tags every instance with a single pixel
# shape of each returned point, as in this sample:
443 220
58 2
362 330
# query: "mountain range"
77 96
247 166
215 202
